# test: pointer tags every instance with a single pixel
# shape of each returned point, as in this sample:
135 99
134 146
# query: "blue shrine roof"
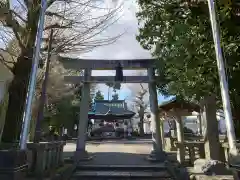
115 109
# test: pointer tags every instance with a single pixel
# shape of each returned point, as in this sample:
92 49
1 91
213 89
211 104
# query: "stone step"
157 167
121 178
121 172
107 175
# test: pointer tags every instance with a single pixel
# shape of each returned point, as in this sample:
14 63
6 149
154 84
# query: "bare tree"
141 107
77 29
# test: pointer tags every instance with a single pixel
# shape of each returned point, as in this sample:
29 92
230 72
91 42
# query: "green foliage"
180 37
114 85
115 96
99 95
63 113
176 35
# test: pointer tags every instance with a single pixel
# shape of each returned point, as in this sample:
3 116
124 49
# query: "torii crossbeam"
101 64
104 64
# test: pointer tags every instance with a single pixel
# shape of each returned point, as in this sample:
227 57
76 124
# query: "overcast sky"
126 47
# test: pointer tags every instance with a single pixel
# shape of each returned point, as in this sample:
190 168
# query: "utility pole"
37 134
223 80
33 77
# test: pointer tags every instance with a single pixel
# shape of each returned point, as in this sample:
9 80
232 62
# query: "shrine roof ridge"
179 104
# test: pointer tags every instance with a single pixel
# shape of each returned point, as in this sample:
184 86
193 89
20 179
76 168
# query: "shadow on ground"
119 158
134 160
115 158
139 141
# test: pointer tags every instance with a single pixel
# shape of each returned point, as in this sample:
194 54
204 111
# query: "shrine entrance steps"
121 160
121 172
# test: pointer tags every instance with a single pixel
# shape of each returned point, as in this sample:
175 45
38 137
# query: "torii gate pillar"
157 153
81 153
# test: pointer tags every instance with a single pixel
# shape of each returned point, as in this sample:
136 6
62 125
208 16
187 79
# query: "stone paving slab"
216 177
200 176
114 146
121 174
119 158
159 165
118 152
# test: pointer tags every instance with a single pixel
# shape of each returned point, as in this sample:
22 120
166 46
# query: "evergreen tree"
115 96
99 95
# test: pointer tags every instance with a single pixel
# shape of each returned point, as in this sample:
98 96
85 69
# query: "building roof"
110 110
179 104
116 107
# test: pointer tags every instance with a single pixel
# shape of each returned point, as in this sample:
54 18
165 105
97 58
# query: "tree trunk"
21 70
141 128
71 130
237 125
17 97
34 119
236 118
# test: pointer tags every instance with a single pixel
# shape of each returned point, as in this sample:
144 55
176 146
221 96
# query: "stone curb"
65 172
177 171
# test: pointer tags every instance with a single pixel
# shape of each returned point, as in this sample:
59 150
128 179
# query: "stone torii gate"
88 65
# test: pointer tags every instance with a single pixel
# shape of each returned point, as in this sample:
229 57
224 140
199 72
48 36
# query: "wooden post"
200 124
180 138
162 132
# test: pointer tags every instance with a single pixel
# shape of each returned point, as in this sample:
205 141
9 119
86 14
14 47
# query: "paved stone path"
115 152
118 159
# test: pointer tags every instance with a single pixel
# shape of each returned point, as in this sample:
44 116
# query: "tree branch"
20 17
58 26
51 14
6 16
50 2
2 59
